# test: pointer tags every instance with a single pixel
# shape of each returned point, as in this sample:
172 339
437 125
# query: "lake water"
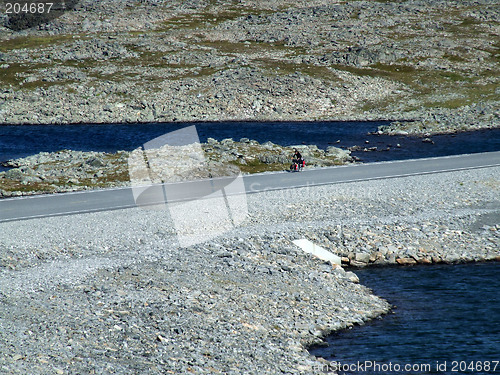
446 317
22 140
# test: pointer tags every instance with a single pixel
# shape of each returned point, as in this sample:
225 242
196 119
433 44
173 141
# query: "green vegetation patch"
257 166
199 20
33 42
17 73
208 18
427 83
30 188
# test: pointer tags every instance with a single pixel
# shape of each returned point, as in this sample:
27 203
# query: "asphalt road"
23 208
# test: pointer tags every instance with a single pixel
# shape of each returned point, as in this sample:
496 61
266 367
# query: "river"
23 140
445 316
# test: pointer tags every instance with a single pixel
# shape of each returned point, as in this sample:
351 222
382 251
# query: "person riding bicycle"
297 160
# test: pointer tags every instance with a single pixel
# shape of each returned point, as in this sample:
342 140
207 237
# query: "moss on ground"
35 42
118 173
15 76
208 18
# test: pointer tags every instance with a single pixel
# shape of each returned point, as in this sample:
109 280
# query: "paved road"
110 199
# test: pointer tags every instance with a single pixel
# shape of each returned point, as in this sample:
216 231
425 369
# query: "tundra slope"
432 66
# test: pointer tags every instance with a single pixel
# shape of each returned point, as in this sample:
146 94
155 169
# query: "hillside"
433 62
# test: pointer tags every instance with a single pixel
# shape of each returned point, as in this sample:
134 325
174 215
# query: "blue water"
447 316
22 140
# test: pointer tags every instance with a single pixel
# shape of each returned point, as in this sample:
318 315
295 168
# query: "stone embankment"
430 66
422 242
69 170
63 171
113 292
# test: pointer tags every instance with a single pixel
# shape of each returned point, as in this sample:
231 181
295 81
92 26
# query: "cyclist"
297 160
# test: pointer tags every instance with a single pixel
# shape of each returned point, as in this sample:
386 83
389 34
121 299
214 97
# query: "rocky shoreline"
429 66
69 170
112 292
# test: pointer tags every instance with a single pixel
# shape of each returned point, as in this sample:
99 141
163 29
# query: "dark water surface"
447 316
23 140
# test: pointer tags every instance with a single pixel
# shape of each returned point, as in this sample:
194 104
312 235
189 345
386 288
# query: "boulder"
424 260
351 276
14 174
96 162
271 159
406 261
339 154
212 141
362 257
227 141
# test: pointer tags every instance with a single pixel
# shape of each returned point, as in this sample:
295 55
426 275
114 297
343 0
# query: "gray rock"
14 174
362 257
95 162
338 153
351 276
271 158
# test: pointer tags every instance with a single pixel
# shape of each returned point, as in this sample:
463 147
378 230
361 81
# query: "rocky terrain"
112 292
69 170
428 65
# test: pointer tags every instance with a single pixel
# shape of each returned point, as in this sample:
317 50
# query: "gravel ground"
112 292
